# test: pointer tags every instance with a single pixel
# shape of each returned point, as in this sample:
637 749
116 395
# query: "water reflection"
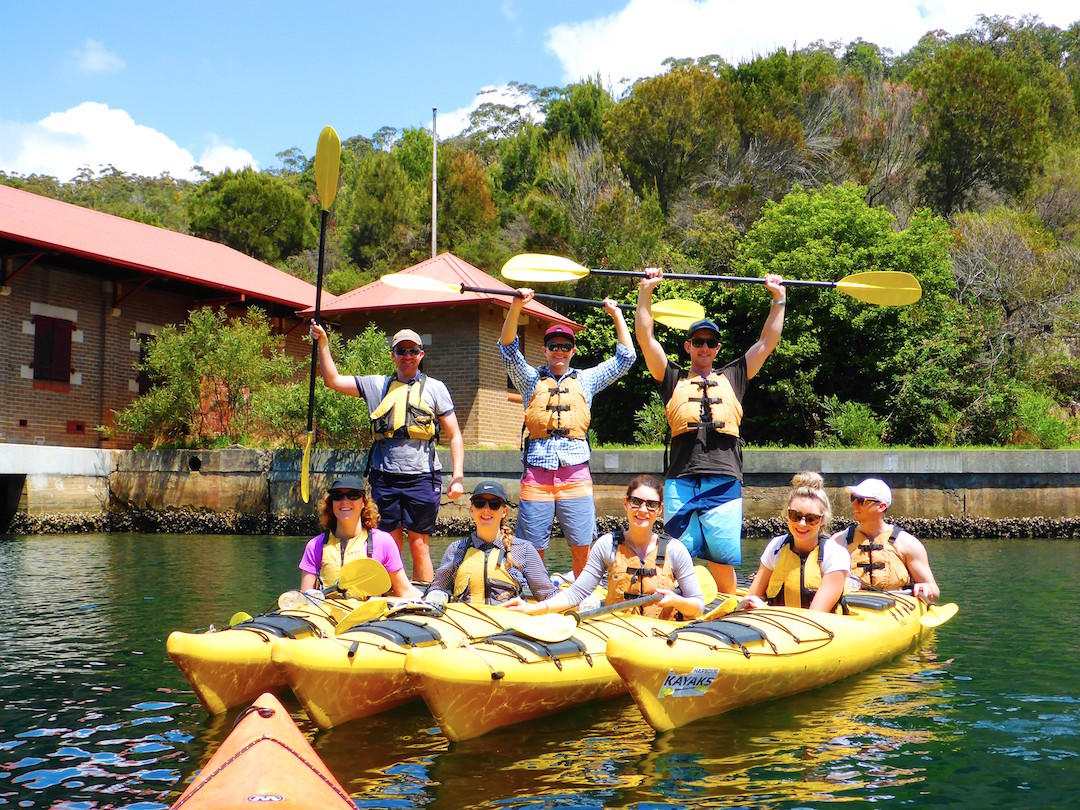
93 715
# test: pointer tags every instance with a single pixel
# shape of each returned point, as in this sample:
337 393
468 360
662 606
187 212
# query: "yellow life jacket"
876 562
630 577
703 404
795 579
557 408
330 563
482 576
403 414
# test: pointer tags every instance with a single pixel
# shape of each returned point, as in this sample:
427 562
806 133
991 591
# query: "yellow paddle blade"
327 163
678 313
413 281
722 609
239 618
361 578
374 608
549 628
305 468
886 288
937 615
542 267
707 583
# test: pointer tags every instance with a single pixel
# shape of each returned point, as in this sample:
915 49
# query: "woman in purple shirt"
350 520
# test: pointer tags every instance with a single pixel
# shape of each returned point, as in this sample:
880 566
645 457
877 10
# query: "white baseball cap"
873 488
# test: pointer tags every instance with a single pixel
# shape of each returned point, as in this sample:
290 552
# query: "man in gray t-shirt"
409 412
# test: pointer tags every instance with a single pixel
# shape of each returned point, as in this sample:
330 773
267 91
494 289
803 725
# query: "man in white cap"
883 556
409 411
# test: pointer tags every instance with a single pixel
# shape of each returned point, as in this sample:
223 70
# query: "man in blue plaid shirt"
558 401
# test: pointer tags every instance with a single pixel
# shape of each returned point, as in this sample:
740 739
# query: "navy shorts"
411 501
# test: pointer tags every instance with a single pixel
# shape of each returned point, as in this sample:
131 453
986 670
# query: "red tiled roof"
59 226
445 267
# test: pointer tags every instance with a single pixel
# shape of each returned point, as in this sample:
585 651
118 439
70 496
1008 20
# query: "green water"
985 713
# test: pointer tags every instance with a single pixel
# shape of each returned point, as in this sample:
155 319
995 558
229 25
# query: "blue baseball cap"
704 323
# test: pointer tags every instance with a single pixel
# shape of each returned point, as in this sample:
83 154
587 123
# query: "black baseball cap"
704 323
491 488
348 482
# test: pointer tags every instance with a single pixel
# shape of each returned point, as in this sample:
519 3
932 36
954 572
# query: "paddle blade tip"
542 267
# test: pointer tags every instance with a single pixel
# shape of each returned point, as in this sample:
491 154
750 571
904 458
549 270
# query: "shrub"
850 424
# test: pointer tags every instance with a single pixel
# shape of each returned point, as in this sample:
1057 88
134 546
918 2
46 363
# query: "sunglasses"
347 495
863 501
407 352
560 347
712 343
636 503
479 502
810 518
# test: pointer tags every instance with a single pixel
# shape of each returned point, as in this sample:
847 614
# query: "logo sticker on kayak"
689 684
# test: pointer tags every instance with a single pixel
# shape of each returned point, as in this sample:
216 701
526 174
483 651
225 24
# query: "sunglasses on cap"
636 503
810 518
407 352
479 502
347 495
559 347
711 342
863 501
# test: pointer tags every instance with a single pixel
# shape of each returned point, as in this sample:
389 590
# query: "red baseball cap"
558 330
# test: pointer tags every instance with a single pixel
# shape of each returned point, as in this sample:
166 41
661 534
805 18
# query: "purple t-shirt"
383 549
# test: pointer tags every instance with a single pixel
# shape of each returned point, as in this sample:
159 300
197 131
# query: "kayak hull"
362 671
231 667
748 657
265 759
488 684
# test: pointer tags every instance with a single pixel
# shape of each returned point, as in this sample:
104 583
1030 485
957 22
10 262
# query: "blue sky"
153 87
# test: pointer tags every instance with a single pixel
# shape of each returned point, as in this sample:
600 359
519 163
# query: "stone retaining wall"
938 493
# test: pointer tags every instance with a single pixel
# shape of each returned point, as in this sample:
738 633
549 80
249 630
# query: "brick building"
80 290
460 331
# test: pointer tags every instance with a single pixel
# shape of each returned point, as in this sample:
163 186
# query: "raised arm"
655 357
345 385
513 315
757 354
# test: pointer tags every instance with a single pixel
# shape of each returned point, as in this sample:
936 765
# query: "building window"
52 349
141 377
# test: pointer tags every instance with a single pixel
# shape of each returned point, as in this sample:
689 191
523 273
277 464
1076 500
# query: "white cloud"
456 121
95 135
633 42
92 57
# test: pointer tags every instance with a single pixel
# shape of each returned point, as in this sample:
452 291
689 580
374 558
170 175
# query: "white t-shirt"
836 558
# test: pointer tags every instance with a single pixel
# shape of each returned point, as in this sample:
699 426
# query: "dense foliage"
958 161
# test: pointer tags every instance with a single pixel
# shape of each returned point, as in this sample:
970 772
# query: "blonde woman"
349 519
490 566
801 568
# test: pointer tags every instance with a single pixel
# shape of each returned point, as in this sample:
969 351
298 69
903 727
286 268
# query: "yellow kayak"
362 671
706 668
232 666
508 678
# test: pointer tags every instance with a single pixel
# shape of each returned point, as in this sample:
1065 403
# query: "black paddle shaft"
794 282
627 603
566 299
318 303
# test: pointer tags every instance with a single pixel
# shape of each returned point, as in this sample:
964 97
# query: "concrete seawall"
1028 492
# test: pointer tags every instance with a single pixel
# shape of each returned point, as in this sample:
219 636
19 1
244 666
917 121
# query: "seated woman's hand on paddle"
637 562
350 521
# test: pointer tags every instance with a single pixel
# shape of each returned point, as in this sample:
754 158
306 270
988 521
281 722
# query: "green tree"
204 374
383 222
986 125
668 129
258 214
577 112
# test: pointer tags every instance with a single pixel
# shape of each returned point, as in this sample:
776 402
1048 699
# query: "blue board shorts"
705 514
411 501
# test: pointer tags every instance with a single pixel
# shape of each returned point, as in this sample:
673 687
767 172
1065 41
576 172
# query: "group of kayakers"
700 498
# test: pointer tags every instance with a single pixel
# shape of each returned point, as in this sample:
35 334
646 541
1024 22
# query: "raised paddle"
678 313
882 287
357 579
327 163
